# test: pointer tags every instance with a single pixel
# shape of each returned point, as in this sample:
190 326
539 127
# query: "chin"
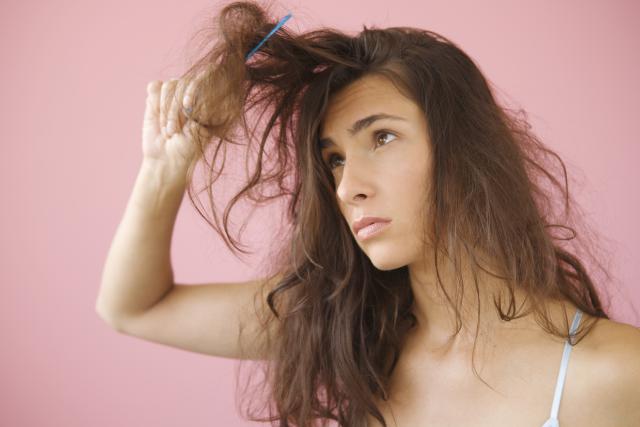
386 261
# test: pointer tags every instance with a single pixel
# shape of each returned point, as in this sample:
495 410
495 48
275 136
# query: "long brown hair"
339 321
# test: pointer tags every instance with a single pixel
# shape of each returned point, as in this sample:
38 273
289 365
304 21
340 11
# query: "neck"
435 313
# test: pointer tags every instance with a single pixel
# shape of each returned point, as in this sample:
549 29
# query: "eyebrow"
360 125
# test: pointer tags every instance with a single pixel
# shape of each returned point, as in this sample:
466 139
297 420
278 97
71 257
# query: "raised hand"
167 133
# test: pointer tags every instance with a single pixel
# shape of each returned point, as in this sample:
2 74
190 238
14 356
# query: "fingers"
152 86
187 100
173 120
190 93
152 109
169 103
175 103
164 108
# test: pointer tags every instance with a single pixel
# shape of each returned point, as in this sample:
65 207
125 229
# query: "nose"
355 181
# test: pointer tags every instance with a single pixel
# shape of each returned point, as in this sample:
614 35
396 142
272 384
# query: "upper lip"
367 220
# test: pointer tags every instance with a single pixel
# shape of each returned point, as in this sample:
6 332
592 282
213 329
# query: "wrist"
163 174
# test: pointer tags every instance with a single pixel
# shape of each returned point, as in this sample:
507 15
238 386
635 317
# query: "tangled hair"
334 326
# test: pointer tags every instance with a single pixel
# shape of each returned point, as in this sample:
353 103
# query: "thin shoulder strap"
563 367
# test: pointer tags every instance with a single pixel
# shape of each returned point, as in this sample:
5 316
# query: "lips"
367 220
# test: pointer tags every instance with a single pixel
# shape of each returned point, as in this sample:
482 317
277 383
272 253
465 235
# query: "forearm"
137 272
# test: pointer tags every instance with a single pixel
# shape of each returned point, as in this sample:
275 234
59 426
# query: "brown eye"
376 136
382 132
330 161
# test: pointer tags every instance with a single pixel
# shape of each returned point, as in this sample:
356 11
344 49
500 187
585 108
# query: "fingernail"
186 101
171 127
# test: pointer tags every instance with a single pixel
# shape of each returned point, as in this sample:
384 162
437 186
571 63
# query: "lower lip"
372 230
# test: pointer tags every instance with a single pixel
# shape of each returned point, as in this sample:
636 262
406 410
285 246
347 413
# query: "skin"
385 175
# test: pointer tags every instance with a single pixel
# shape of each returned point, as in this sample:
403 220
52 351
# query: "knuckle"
151 86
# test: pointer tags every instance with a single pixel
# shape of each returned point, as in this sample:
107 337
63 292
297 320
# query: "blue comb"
278 25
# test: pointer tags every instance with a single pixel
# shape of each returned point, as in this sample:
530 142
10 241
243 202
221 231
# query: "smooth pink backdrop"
73 87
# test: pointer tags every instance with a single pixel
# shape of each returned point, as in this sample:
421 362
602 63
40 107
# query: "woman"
421 281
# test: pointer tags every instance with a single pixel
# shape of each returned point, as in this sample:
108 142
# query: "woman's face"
380 168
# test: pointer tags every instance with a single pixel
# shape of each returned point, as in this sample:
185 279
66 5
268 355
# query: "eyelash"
375 136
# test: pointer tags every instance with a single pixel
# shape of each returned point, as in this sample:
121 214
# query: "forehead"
367 95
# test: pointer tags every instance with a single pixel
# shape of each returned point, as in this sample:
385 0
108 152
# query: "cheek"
407 189
408 198
407 174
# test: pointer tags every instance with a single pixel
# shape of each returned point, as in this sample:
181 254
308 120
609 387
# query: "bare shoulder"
614 364
615 345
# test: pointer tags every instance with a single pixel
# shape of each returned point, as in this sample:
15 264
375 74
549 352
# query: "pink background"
73 89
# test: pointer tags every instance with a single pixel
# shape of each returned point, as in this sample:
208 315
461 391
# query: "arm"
138 296
137 272
216 319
